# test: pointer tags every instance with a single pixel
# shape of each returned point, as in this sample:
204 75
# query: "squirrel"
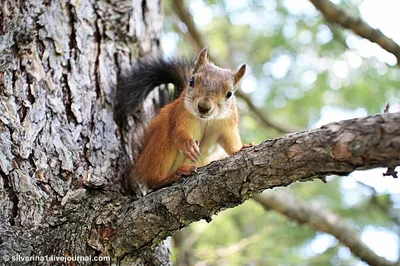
186 132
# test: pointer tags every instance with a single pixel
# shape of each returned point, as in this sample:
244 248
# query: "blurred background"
303 72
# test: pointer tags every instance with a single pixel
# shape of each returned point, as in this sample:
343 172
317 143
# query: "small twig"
338 15
386 109
391 172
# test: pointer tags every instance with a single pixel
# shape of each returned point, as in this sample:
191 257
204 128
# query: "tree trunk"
58 139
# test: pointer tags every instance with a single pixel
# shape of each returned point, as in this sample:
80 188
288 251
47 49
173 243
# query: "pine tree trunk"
61 154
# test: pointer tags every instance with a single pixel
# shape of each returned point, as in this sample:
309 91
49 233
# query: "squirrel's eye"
191 82
229 94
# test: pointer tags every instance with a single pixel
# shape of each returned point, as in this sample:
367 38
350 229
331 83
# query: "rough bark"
59 62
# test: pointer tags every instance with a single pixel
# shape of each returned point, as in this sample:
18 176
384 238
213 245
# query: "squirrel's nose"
204 107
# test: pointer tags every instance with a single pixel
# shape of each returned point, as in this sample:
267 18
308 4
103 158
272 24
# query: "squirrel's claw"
249 145
193 170
192 150
197 148
245 146
185 170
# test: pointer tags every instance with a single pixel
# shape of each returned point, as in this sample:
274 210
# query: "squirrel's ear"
201 59
239 74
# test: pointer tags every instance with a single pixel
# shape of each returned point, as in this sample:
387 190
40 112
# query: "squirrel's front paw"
249 145
182 171
245 146
186 170
191 150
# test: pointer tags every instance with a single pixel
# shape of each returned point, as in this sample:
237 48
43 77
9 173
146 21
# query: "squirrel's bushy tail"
145 76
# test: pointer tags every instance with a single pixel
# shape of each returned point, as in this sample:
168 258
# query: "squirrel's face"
210 92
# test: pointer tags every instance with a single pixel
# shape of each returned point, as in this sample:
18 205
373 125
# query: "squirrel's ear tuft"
239 74
201 59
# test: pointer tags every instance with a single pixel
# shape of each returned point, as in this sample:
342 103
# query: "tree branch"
337 148
123 228
337 15
184 15
265 119
320 220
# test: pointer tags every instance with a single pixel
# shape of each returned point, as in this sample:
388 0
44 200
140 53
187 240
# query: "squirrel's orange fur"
186 132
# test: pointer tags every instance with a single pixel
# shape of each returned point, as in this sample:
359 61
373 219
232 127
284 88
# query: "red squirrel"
186 132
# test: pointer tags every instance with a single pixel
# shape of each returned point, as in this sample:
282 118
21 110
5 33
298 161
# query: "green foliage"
300 65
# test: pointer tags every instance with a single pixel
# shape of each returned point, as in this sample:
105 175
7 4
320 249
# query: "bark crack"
12 196
97 38
72 36
144 11
67 98
3 16
117 65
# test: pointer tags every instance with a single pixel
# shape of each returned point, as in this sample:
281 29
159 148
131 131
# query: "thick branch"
320 220
337 148
336 14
